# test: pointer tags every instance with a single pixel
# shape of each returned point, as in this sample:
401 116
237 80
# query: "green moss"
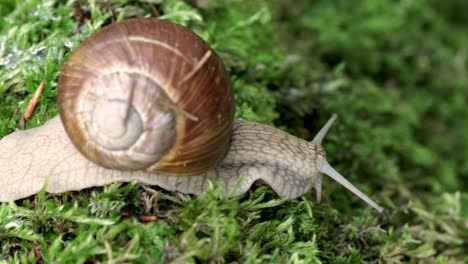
395 72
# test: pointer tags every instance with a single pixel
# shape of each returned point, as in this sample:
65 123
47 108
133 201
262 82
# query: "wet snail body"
148 100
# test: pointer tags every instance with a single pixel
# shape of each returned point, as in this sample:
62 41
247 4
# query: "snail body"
148 100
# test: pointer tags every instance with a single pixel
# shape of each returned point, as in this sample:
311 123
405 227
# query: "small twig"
15 112
148 218
197 67
187 115
13 116
153 121
22 122
109 8
31 105
154 10
130 102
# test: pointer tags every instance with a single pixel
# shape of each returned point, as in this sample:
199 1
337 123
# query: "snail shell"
147 94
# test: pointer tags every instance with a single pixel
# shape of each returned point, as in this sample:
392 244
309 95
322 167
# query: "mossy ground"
396 72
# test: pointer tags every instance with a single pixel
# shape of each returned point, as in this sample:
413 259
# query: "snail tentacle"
318 190
332 173
324 130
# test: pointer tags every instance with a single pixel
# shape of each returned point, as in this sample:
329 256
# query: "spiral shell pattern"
147 94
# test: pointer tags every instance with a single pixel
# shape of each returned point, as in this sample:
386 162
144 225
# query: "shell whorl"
132 98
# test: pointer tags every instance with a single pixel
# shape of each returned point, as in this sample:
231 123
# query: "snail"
148 100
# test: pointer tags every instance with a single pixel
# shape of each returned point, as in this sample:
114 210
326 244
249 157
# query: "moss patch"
395 72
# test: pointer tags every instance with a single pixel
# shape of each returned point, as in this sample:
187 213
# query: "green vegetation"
396 72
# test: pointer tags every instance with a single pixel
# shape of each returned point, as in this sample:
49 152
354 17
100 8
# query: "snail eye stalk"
332 173
325 168
324 130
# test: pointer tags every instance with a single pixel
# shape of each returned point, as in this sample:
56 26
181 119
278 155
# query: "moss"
395 72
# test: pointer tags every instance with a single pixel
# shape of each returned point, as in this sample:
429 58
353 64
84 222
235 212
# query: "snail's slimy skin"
258 152
290 165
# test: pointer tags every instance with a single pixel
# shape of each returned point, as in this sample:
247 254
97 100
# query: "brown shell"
166 53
